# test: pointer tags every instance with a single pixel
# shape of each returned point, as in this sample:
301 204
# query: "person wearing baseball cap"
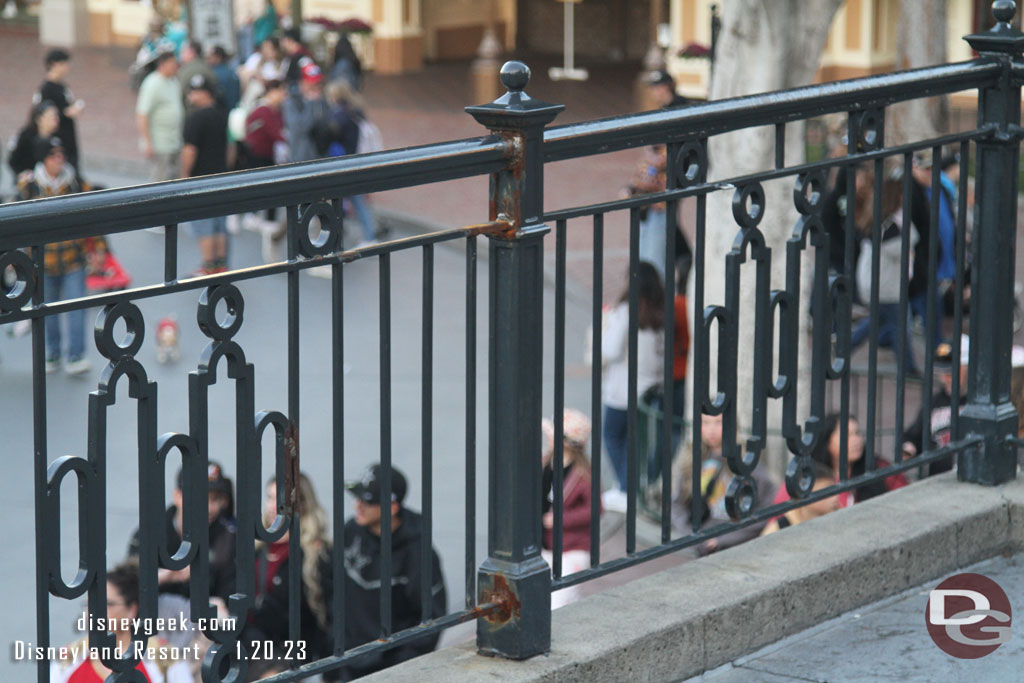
220 516
942 411
307 116
663 90
363 567
205 152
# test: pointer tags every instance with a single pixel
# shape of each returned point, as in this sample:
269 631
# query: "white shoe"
614 500
270 248
77 366
234 224
251 221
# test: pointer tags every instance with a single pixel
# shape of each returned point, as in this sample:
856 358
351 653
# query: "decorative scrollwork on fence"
331 224
249 427
748 207
17 292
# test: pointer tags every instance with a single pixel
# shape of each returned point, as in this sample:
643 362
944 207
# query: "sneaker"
270 248
614 500
52 364
77 366
251 221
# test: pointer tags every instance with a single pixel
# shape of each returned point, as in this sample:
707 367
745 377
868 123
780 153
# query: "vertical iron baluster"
958 289
700 369
668 376
902 340
848 270
385 443
632 458
40 456
294 550
876 248
170 252
780 145
558 455
929 316
338 488
596 404
427 420
470 422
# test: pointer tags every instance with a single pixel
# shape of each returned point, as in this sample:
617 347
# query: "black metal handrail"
721 116
90 214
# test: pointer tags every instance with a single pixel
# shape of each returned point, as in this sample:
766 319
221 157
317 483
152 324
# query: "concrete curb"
695 617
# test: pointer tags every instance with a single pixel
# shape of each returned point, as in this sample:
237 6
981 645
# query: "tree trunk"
920 41
763 46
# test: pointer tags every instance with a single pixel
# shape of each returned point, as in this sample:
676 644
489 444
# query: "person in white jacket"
615 360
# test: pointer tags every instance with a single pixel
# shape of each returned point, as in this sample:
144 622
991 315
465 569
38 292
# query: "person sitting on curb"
363 574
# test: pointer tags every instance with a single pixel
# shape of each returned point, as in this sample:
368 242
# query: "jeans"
615 442
651 247
678 408
59 288
365 217
919 308
888 332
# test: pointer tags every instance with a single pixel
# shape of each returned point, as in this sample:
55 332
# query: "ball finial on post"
1003 10
515 76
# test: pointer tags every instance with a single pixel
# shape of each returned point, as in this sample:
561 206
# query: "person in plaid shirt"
65 263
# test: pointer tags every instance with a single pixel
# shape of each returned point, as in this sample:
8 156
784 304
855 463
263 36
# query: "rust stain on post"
291 467
502 595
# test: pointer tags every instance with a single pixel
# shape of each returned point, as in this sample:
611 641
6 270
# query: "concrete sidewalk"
885 641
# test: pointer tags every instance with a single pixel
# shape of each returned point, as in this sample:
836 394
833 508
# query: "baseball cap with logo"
311 73
368 489
200 82
660 77
44 147
215 476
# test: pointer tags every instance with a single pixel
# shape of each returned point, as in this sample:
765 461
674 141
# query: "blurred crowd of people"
176 654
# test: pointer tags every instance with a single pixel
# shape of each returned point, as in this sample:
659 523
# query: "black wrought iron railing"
509 594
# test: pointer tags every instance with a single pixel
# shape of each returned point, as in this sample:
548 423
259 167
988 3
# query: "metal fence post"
514 574
989 412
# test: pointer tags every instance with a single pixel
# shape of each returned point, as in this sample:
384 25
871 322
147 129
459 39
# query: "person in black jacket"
221 512
363 575
54 89
43 121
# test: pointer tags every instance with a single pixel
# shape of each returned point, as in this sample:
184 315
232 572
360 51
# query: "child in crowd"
575 498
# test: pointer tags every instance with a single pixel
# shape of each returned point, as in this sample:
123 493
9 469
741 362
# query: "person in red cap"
307 116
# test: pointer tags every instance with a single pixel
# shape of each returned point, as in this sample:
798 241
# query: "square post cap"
1001 38
515 110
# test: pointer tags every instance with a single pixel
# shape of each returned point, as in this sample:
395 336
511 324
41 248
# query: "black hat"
200 82
660 77
215 475
368 489
943 361
44 147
